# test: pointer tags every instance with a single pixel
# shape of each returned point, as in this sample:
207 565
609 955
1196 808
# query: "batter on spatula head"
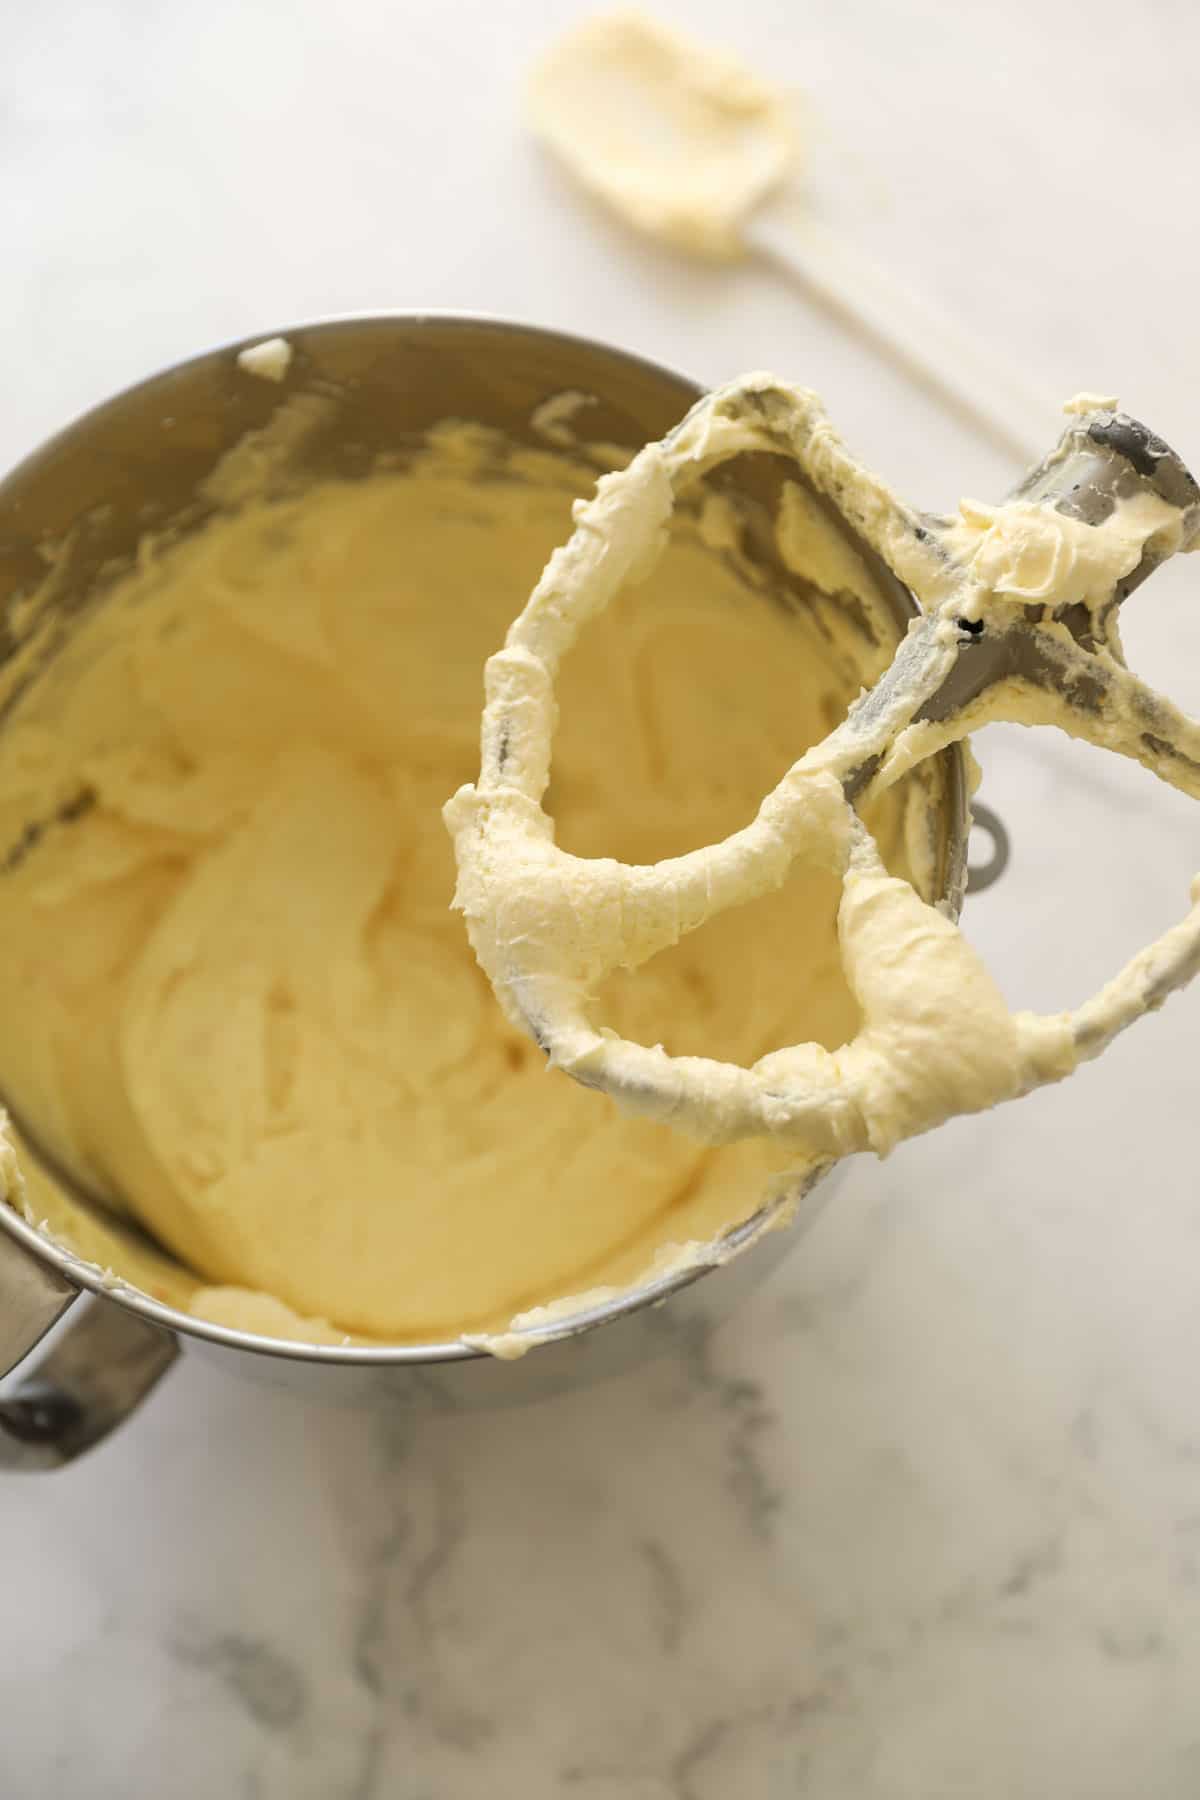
1019 622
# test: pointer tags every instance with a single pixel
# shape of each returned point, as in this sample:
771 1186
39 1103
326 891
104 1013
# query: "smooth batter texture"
679 140
233 998
936 1037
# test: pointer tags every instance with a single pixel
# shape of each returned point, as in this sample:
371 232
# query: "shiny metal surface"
90 1380
1099 461
137 464
33 1297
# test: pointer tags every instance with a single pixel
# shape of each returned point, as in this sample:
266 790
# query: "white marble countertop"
922 1520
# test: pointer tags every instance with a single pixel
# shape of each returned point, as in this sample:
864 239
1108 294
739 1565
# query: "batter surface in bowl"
233 998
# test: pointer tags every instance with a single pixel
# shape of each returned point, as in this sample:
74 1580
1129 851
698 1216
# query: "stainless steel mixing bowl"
138 464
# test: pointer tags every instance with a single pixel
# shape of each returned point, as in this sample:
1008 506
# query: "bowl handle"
103 1365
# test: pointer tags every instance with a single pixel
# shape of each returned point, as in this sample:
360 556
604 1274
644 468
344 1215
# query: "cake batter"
233 998
1030 587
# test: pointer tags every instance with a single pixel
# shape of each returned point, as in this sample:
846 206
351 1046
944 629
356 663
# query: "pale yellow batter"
233 997
1025 583
680 140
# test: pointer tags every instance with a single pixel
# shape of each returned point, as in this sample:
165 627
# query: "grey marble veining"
921 1521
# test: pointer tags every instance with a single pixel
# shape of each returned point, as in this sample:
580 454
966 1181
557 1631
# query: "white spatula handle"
962 372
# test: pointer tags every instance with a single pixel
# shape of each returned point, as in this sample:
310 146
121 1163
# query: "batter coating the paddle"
1037 582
